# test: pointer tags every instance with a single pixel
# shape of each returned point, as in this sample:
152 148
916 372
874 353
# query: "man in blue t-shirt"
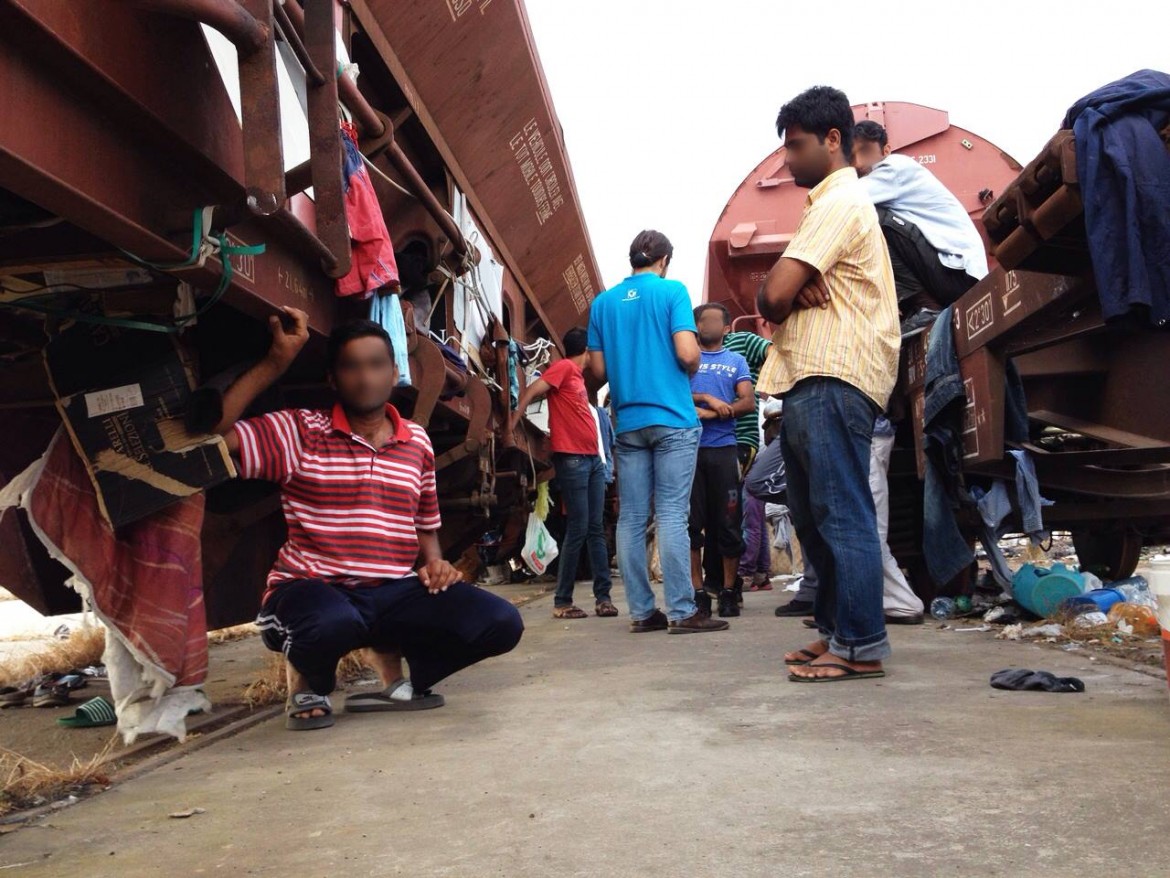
642 341
721 391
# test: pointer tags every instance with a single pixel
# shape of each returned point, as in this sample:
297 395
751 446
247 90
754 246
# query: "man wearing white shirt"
935 249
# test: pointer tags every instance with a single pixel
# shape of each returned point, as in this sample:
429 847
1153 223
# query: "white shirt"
914 194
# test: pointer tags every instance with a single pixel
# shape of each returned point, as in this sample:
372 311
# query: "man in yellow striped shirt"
834 361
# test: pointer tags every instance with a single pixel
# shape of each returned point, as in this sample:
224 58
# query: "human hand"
814 294
437 575
287 340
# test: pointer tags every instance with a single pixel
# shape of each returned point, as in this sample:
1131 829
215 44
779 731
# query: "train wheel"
1110 554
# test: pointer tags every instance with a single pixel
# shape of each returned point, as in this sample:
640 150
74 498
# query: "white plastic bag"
540 549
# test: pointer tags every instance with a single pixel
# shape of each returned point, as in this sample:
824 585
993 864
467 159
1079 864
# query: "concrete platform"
593 752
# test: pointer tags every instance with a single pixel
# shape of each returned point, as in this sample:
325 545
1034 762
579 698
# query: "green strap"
199 237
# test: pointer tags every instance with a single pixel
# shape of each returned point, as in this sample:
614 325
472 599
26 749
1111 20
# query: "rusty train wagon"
122 121
1099 428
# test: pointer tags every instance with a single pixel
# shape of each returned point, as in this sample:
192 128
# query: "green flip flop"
93 713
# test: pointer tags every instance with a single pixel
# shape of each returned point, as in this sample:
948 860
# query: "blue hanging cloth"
513 373
386 311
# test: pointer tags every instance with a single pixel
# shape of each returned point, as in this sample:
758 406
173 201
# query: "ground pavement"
593 752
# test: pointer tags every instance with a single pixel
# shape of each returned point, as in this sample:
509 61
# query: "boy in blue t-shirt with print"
722 390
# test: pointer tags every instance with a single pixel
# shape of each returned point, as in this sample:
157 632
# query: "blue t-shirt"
719 373
633 325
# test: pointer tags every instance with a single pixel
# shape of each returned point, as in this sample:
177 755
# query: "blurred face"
808 158
866 154
711 327
365 375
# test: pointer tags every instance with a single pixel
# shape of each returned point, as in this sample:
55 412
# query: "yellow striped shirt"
856 338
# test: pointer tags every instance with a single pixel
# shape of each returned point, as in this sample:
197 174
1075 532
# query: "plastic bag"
540 549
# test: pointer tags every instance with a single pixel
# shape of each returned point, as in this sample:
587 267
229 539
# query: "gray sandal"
384 701
307 702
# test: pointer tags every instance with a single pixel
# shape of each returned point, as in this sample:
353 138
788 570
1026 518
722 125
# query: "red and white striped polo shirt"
353 511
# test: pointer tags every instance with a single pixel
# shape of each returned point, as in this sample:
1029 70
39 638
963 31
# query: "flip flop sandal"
379 702
809 623
305 702
812 656
14 695
93 713
761 587
849 674
53 691
569 613
606 609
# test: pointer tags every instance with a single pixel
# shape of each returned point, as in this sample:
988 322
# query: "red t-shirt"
570 417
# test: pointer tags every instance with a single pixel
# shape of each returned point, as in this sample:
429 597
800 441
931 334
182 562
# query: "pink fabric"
373 265
147 580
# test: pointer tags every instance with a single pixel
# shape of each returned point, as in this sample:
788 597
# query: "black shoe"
727 603
916 323
656 621
795 608
916 619
703 602
738 589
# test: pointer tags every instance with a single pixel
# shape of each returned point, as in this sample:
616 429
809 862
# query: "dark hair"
576 341
871 132
709 306
344 333
648 247
818 111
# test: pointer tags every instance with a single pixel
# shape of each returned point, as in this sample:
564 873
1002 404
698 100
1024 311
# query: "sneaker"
728 605
656 621
795 608
703 602
697 624
738 589
917 323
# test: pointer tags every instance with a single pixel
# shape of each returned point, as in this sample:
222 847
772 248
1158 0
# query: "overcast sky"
666 106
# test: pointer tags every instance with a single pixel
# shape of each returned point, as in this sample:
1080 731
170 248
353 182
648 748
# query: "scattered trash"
183 815
1024 680
1091 620
62 632
1043 591
942 608
1011 632
65 803
1137 619
980 628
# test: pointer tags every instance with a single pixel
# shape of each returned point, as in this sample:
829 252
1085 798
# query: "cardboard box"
123 396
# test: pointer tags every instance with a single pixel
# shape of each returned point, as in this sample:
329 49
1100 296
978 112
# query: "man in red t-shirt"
362 567
580 468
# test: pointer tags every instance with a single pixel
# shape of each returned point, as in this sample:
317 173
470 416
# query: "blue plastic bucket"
1042 591
1097 599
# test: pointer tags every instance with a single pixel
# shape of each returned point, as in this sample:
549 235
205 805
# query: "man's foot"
703 602
656 621
697 624
397 696
795 608
569 612
831 668
803 656
760 582
307 710
728 605
606 608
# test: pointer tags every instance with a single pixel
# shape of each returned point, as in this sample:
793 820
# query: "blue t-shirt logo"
719 374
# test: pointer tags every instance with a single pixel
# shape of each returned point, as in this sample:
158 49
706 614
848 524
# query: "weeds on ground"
26 783
83 647
271 687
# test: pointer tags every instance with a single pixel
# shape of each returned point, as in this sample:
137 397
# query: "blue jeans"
827 434
658 463
581 479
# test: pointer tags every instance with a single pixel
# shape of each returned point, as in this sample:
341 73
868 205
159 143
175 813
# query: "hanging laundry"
373 265
386 311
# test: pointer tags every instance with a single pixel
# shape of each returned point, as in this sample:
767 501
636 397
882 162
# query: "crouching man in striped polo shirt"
362 566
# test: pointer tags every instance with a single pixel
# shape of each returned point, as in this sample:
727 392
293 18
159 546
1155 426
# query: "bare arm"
778 294
686 351
538 389
286 344
597 367
745 399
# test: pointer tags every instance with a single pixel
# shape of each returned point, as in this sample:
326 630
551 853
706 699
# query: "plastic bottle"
942 608
1135 590
1143 619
